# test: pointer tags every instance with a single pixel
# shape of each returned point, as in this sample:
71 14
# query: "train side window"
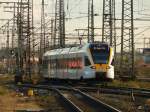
65 63
87 61
61 64
45 64
51 64
57 64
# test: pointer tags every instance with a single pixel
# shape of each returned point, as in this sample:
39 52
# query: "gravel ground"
11 102
124 103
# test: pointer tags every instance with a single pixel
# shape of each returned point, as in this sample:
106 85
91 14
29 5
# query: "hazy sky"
75 9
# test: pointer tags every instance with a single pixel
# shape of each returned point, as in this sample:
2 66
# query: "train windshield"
100 53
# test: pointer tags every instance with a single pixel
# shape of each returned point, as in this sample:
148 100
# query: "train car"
146 55
89 61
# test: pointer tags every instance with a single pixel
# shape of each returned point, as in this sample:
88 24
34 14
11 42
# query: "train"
146 55
87 61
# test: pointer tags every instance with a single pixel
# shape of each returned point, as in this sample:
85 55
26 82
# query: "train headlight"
108 67
93 67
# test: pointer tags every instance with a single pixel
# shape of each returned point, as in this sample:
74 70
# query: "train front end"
102 55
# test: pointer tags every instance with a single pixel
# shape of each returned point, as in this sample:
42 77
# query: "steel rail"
101 106
106 89
69 105
91 101
113 90
118 90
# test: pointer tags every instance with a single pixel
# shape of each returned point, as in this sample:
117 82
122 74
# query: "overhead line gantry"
127 41
59 30
90 21
108 25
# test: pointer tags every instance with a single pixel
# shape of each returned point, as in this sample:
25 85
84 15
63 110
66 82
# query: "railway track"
133 93
106 89
103 88
118 90
69 95
76 101
85 102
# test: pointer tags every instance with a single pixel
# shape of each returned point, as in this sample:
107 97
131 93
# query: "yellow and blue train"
88 61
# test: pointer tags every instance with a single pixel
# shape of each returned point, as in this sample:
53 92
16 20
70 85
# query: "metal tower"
42 39
90 21
127 40
59 33
108 27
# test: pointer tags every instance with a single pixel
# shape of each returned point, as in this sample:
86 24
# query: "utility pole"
7 35
52 33
42 38
127 41
90 21
33 39
59 32
29 38
7 48
13 29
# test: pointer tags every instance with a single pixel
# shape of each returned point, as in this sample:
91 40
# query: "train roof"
70 50
80 49
146 51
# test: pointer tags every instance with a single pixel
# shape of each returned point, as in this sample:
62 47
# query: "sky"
76 12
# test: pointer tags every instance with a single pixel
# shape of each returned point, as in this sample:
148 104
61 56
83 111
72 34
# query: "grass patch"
3 90
6 78
132 84
144 71
45 101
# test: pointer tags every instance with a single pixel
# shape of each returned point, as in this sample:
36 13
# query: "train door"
56 68
77 61
49 68
60 70
89 70
71 68
65 68
52 68
45 68
79 67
